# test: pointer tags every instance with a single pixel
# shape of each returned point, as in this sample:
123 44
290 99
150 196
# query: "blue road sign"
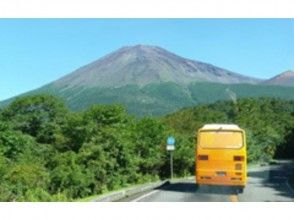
171 140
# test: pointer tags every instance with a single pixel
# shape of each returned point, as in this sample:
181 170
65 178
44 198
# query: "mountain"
149 80
283 79
142 65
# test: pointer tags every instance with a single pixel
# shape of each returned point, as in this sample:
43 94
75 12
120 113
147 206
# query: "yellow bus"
221 157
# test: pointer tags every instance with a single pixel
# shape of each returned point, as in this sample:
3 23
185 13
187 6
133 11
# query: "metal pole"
171 165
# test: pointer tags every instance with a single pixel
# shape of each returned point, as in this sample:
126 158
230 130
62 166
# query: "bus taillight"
238 158
202 157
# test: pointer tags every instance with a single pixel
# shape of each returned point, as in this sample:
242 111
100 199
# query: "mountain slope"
142 65
162 98
284 79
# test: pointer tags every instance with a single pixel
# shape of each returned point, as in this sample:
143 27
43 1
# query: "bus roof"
220 127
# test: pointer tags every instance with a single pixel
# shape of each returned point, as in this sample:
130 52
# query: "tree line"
49 153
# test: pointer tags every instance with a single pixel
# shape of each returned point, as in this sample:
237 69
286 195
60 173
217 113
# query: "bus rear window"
221 139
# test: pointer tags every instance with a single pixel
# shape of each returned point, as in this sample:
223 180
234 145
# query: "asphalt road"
265 184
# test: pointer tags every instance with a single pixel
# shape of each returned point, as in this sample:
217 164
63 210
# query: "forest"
49 153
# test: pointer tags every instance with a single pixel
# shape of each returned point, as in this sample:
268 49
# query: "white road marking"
289 186
144 196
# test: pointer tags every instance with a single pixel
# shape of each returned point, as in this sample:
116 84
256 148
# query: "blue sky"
34 52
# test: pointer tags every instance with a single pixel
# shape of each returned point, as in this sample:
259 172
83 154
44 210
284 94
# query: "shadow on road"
277 177
190 187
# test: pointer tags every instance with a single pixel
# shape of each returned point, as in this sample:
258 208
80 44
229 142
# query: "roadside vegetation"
49 153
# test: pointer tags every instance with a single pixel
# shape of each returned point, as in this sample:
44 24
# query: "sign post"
171 165
171 147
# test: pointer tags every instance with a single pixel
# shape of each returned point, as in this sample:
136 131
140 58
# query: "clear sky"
34 52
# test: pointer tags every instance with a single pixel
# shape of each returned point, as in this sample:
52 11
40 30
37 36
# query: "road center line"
144 196
234 198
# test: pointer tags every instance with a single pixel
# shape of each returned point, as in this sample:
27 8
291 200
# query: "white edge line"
289 186
144 196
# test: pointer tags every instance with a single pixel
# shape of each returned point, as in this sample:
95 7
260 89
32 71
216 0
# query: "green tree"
37 116
69 177
149 144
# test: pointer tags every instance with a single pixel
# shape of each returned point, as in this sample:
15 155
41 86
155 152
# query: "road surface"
265 184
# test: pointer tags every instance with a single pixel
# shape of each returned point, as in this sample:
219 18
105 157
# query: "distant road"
265 184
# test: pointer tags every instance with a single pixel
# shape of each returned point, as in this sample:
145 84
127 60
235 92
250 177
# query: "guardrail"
115 196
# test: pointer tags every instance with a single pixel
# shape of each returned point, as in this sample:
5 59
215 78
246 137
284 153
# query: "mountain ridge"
142 64
285 78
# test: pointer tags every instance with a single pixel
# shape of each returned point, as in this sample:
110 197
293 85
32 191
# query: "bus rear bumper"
221 183
230 179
